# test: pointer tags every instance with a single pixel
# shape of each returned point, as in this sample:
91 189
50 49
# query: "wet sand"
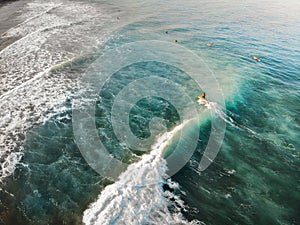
9 17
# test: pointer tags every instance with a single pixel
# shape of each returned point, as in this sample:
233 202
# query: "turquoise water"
255 177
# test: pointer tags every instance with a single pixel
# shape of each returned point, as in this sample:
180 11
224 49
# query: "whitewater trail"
138 197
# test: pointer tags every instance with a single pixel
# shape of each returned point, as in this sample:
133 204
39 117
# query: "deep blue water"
255 177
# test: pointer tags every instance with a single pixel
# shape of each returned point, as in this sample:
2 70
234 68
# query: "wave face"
138 196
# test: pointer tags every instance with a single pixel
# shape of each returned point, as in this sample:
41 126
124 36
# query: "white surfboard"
204 103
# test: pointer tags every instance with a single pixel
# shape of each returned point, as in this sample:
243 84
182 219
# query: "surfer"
256 58
202 97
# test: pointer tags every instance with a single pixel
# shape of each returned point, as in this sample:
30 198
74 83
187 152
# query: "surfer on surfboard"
202 98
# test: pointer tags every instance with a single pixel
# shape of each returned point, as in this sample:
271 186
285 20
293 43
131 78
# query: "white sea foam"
137 197
52 33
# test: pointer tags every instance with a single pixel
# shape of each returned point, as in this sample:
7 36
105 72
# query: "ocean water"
47 176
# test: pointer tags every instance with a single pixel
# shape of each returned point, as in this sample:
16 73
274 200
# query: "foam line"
32 33
31 18
39 75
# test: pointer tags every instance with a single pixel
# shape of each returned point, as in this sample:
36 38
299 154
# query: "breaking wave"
138 196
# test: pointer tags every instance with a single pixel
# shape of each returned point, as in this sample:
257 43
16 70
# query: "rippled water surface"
253 180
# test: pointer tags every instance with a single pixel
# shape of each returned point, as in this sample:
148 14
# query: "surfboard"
204 103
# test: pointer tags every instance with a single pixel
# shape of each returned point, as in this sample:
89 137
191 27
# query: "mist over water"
253 180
